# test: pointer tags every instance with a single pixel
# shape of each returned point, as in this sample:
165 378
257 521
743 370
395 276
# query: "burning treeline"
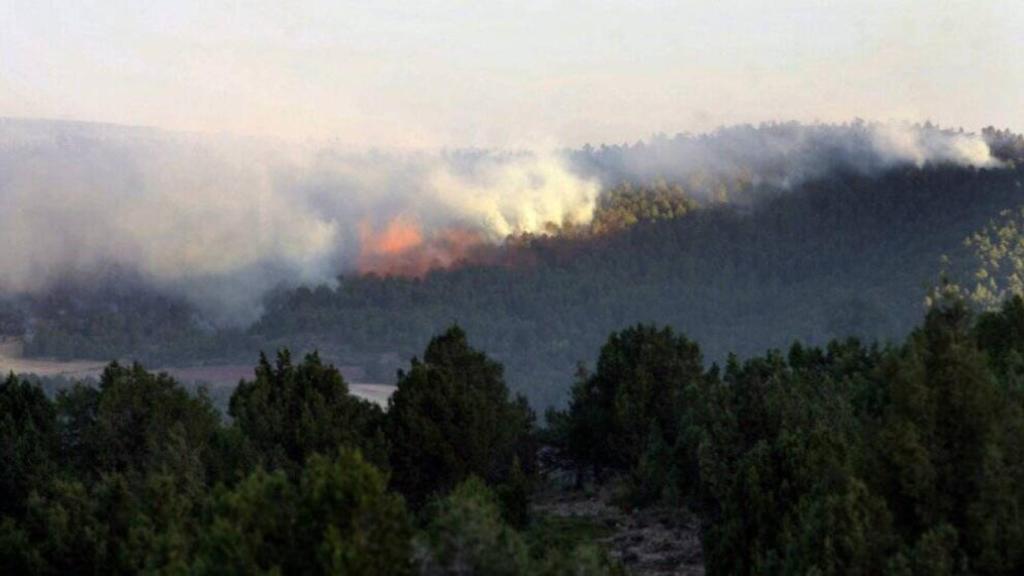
223 220
401 248
667 177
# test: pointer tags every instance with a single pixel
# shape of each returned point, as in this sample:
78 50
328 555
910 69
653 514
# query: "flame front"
401 248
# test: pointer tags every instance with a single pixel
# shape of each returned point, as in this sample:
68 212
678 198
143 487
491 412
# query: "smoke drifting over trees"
782 155
221 220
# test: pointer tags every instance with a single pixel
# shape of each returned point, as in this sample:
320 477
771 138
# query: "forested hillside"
745 239
849 254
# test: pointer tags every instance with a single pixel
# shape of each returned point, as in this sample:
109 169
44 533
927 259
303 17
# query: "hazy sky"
521 73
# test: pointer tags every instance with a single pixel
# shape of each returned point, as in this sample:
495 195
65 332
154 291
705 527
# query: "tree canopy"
452 417
289 412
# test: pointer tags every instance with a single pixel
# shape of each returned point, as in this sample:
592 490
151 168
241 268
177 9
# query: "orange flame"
399 236
402 249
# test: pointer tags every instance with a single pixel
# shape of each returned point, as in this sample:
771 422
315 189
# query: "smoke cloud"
781 155
221 220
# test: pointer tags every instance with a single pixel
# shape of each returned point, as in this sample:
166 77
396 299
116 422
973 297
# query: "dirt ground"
655 542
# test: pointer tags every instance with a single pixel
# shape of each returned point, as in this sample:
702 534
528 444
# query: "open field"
11 360
231 374
217 375
50 367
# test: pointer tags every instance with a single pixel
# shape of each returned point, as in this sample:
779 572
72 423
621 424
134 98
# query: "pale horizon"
450 74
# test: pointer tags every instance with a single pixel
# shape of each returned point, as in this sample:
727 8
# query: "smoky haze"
221 220
782 155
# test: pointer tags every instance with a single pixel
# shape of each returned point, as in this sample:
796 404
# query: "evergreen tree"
641 376
289 412
452 417
28 442
337 518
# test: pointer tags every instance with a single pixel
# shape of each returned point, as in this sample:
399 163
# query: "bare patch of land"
376 393
649 542
231 374
72 369
215 375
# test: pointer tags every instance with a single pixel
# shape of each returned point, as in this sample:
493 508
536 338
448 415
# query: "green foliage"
998 251
846 459
1001 335
636 391
28 440
128 467
108 528
146 421
467 534
766 437
514 495
452 417
337 519
137 475
61 532
626 205
948 416
651 476
838 528
842 460
290 412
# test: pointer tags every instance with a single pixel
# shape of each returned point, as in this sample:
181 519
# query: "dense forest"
137 475
845 459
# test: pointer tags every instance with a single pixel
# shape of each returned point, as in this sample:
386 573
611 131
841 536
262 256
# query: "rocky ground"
650 542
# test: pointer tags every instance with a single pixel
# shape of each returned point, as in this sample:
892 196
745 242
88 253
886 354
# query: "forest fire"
401 248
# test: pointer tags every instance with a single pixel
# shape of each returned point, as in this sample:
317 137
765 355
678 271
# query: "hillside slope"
847 254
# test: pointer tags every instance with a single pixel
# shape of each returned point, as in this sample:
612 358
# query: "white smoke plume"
783 155
920 145
221 220
224 219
